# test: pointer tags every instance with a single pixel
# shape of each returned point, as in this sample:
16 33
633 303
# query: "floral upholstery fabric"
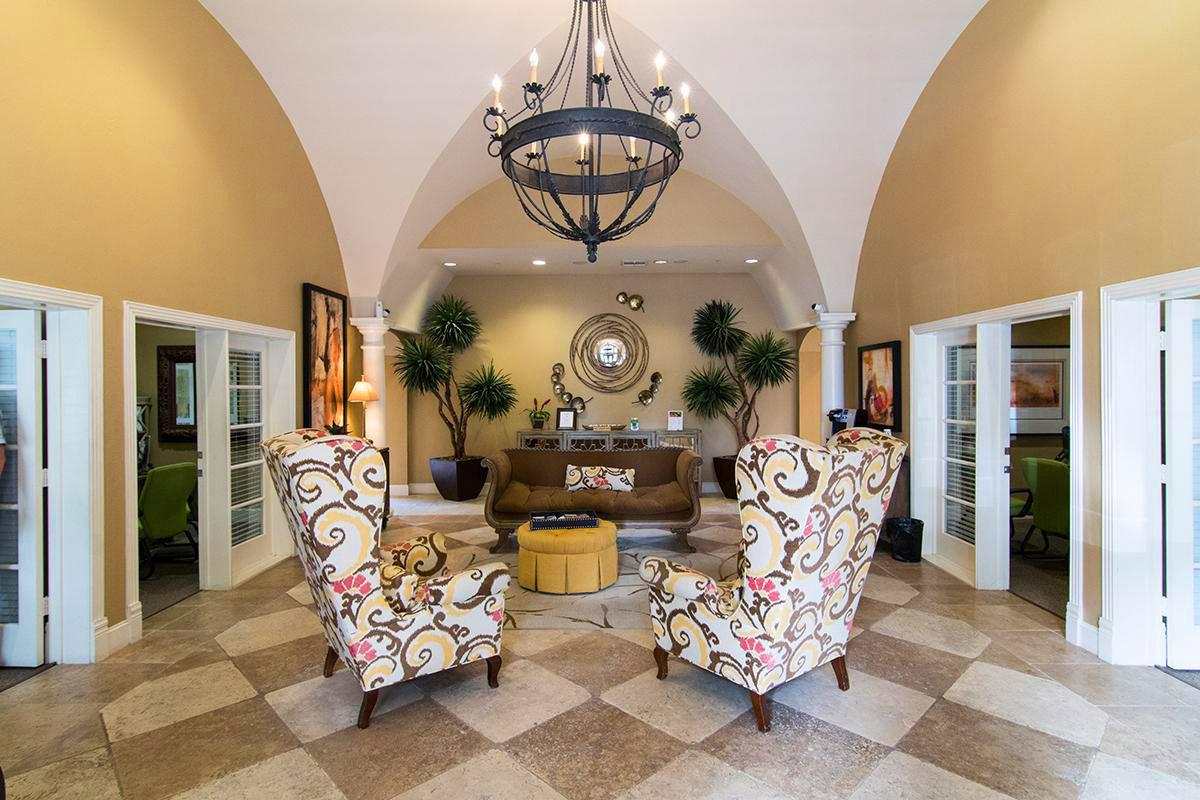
811 517
419 619
600 478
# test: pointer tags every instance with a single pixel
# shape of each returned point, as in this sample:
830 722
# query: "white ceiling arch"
378 92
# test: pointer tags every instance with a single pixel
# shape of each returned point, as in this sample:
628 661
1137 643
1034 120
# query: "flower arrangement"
538 414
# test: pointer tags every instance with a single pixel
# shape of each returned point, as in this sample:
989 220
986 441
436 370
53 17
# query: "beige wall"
809 378
149 339
528 322
144 158
1056 148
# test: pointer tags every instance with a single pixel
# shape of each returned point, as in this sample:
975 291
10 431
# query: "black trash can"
905 533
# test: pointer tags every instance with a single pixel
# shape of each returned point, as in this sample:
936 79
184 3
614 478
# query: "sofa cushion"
601 478
520 498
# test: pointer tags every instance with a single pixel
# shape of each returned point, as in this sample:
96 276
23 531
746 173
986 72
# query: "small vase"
538 424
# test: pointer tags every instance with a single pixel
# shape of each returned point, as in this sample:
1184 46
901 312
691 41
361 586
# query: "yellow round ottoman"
567 561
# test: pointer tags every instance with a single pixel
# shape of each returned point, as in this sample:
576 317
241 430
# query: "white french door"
1182 535
955 530
247 366
22 638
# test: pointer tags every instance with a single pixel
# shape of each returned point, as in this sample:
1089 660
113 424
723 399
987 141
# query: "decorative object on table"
567 560
527 480
793 493
604 426
634 301
544 132
363 392
879 384
740 366
538 414
1041 390
177 393
425 364
646 396
599 477
675 420
566 418
382 608
326 380
609 353
634 424
562 520
142 422
560 390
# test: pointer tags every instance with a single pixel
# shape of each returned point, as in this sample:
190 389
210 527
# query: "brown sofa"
664 496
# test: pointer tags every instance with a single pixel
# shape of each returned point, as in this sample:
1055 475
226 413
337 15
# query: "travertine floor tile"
1037 703
1116 779
942 633
301 594
988 618
873 708
902 777
269 630
528 695
79 683
596 661
285 664
699 776
164 701
88 775
159 647
526 643
690 704
887 589
1175 730
916 666
1043 647
489 776
33 734
288 775
1111 685
639 636
320 706
1122 741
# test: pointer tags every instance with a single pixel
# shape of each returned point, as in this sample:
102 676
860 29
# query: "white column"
373 330
833 360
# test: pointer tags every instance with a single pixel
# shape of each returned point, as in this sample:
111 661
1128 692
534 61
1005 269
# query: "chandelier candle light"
536 142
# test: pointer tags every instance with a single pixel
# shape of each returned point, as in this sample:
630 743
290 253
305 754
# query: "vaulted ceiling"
802 102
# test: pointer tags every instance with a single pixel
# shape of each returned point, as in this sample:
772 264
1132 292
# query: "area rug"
623 605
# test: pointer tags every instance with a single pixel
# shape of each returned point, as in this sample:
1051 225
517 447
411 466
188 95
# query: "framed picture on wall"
176 393
325 377
879 385
1040 390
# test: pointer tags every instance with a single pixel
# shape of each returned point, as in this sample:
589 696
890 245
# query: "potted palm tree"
741 365
425 364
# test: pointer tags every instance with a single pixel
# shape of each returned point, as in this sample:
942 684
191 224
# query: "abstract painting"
325 377
879 384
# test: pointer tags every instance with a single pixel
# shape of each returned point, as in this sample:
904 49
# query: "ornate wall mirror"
609 353
177 393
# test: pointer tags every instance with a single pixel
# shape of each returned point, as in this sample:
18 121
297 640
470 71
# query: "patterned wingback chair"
390 613
811 516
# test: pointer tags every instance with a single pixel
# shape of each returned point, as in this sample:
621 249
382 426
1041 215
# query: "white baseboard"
1079 633
946 565
111 638
421 488
398 490
257 569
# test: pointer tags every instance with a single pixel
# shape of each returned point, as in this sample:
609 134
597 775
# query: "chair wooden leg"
493 666
368 705
331 659
660 658
843 675
681 539
762 711
502 535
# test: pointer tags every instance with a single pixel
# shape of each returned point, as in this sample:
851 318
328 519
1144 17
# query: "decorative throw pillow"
607 479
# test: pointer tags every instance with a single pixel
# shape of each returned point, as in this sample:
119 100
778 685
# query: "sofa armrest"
481 581
422 555
499 467
676 579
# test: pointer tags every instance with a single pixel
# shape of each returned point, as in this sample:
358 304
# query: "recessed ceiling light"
537 262
449 264
660 261
751 260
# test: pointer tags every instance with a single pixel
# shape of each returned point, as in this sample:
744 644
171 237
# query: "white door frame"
1131 620
78 631
282 409
925 357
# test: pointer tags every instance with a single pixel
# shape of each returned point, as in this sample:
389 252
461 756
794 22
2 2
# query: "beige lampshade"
363 392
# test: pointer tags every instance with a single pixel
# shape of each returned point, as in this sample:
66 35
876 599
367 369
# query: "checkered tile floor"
954 694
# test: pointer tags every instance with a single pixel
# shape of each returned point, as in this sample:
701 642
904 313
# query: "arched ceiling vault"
802 102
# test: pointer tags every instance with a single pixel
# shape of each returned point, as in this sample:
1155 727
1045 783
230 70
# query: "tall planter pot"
726 469
458 479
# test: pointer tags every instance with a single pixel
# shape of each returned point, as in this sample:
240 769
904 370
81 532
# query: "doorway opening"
167 466
991 395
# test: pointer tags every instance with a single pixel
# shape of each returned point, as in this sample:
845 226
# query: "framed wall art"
176 393
1040 390
879 385
325 375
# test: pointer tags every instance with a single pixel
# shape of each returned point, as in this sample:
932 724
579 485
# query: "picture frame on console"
566 419
879 385
326 378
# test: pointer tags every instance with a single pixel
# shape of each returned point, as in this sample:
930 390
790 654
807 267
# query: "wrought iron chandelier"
597 150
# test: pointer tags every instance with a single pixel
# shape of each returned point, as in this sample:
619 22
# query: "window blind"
958 443
245 436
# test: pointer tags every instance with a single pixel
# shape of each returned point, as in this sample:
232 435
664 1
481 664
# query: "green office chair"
1050 482
164 511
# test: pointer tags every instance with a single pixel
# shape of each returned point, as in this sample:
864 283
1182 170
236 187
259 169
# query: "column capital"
835 320
372 329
